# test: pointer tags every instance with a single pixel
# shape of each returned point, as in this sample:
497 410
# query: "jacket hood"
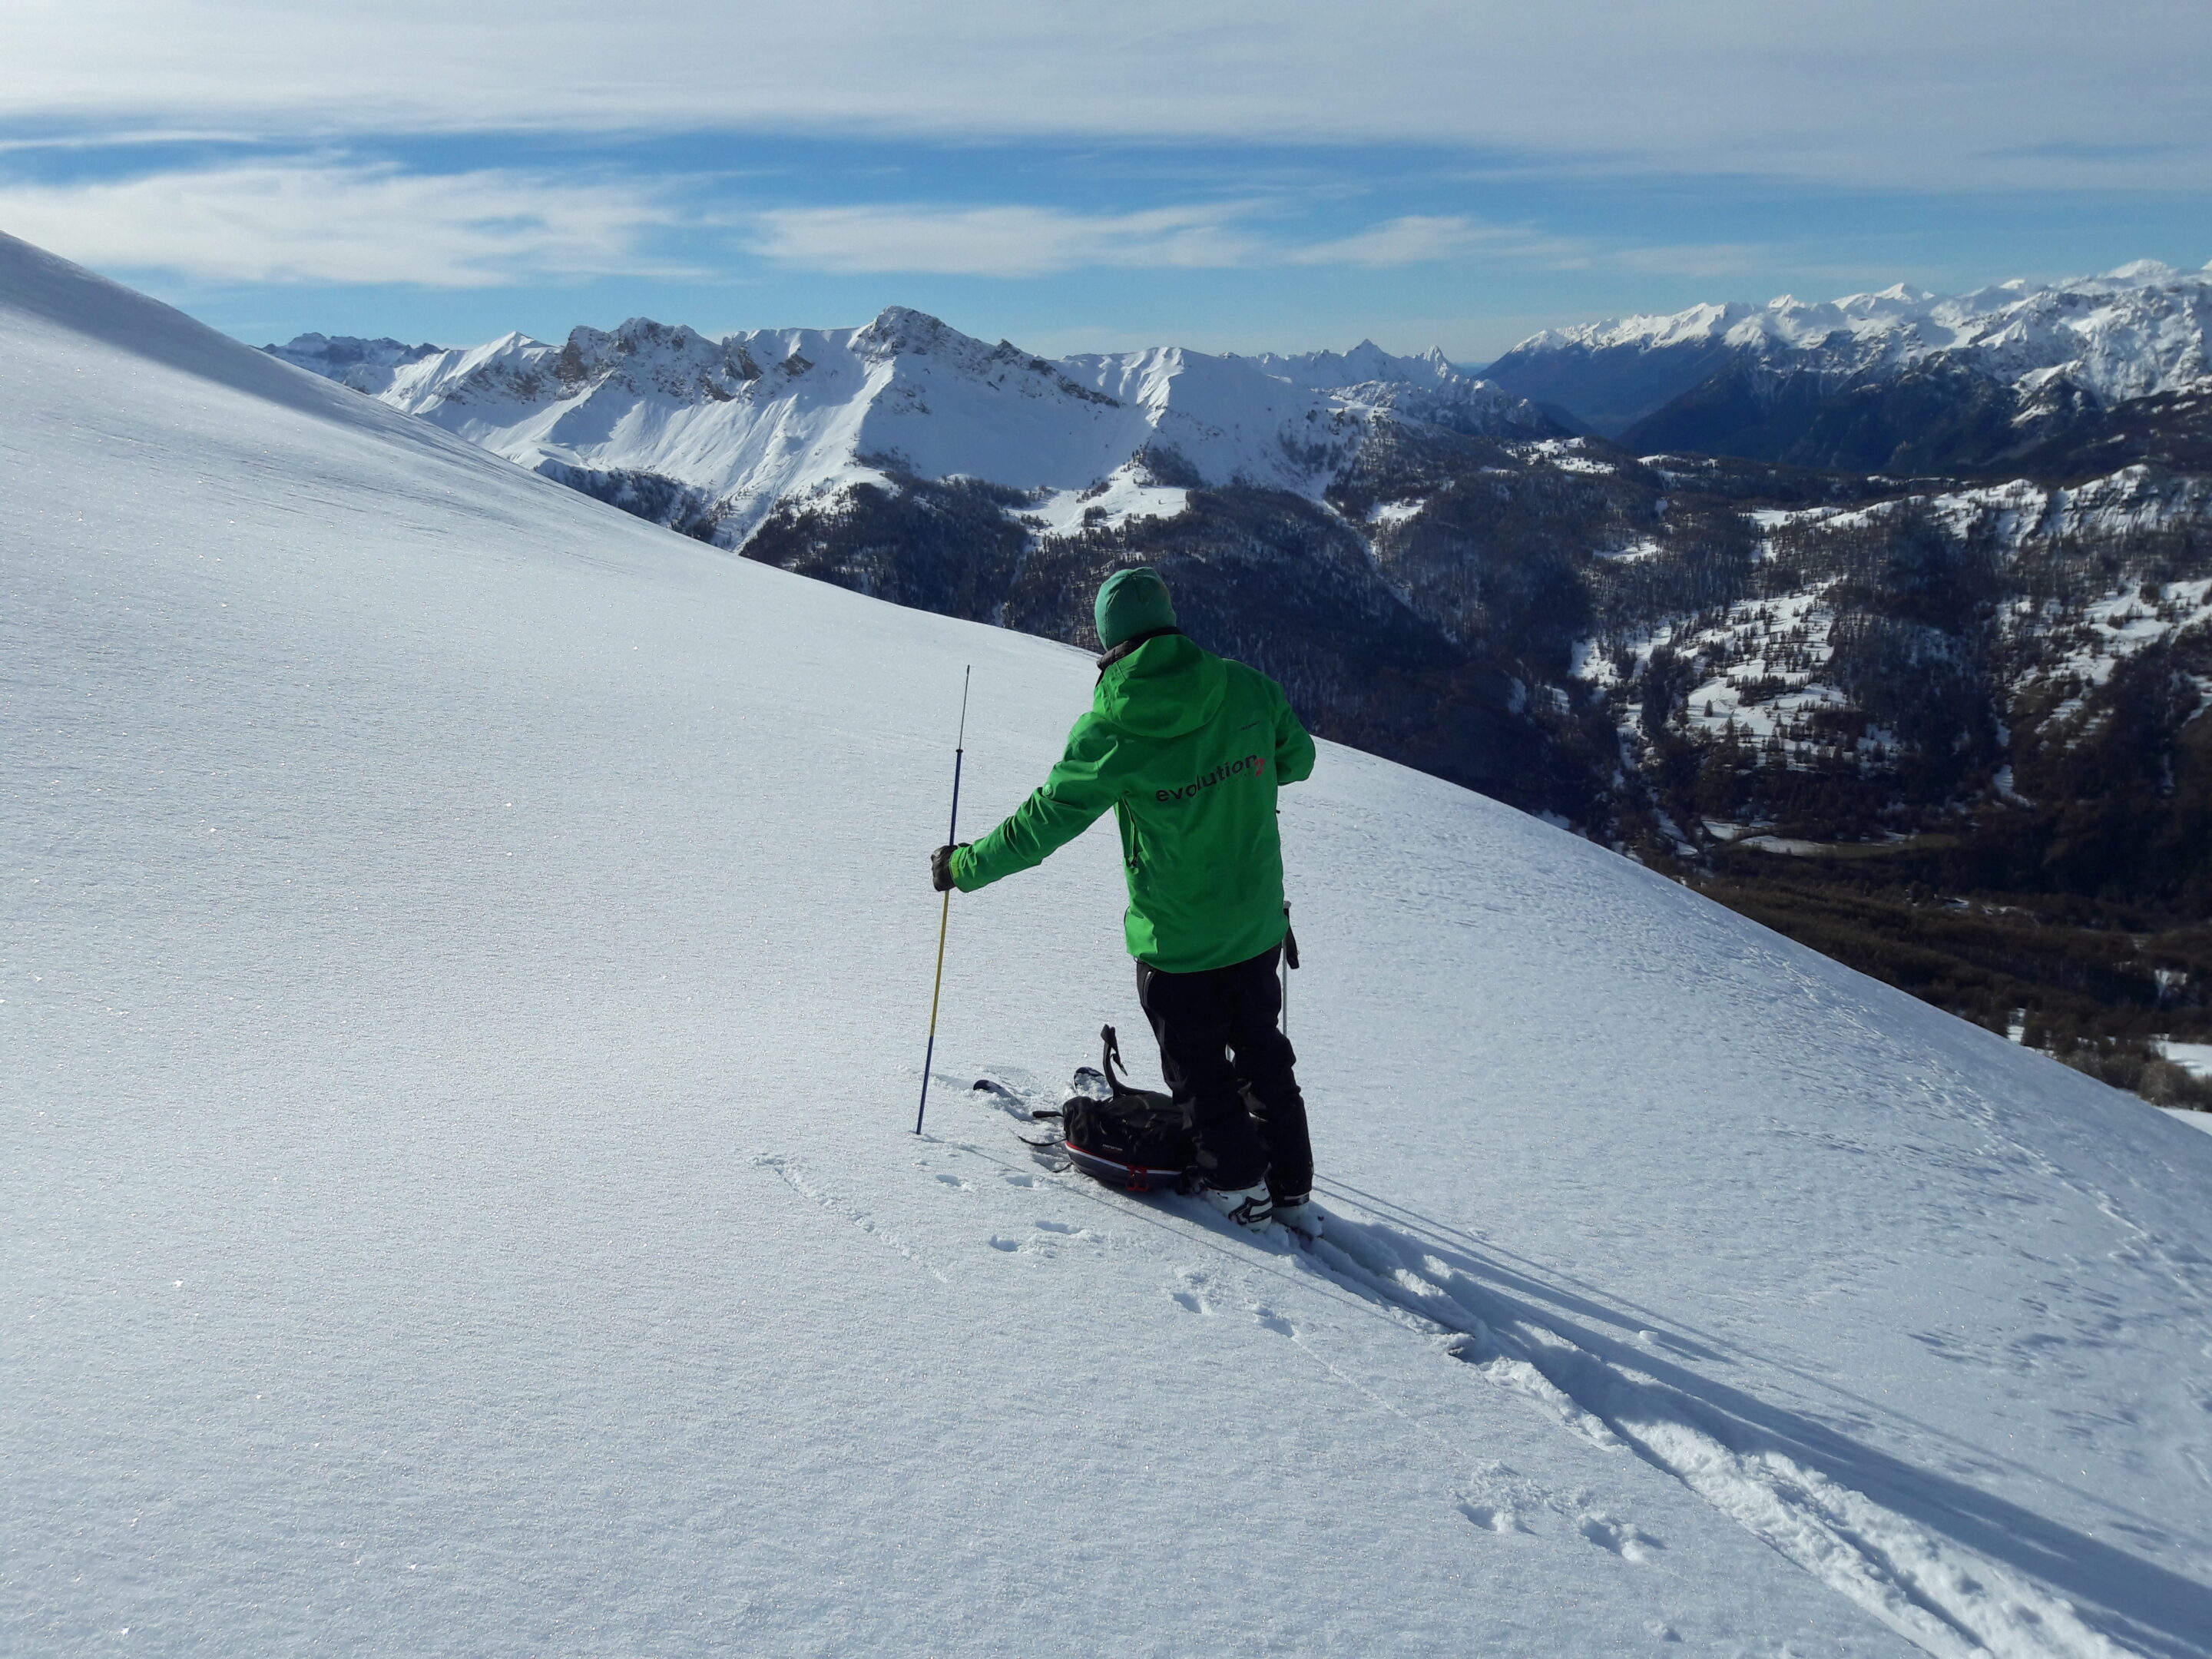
1133 602
1164 687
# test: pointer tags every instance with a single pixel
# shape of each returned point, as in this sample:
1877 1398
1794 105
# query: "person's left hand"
940 868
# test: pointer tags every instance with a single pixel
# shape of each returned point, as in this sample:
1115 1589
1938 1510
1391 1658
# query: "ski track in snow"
794 1175
1943 1597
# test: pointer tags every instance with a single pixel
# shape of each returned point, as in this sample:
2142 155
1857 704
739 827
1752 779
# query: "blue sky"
1228 176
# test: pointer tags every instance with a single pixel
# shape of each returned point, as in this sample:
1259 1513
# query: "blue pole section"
945 915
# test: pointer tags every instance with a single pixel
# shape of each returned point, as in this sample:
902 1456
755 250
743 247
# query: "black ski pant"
1229 1067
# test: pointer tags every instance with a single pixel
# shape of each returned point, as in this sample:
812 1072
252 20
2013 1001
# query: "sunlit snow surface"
465 963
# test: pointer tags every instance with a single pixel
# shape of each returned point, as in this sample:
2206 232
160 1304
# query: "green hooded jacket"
1188 749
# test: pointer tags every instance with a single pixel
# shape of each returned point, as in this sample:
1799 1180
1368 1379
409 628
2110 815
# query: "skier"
1188 749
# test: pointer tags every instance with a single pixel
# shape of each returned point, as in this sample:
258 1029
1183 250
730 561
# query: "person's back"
1188 749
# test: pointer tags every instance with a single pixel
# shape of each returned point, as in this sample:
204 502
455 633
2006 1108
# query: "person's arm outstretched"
1085 783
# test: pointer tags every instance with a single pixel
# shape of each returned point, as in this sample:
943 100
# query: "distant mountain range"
2053 379
721 434
1803 523
1899 380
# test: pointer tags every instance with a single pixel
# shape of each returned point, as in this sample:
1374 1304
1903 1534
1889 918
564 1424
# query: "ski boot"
1247 1207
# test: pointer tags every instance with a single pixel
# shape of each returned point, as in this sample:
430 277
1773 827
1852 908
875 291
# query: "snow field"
465 969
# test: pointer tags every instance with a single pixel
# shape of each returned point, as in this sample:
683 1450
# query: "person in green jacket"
1188 749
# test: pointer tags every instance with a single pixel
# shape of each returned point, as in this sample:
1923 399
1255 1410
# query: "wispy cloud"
1001 241
337 221
334 219
1416 239
1018 242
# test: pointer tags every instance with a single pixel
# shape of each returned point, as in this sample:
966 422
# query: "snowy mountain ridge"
717 435
364 365
1714 375
2132 332
765 416
1364 362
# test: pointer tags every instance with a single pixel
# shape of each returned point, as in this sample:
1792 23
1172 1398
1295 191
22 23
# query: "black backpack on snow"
1132 1138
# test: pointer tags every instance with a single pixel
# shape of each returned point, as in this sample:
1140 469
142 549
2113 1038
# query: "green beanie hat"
1131 602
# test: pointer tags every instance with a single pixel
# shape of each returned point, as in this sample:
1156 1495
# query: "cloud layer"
1247 173
1890 93
342 222
1001 241
1017 242
334 222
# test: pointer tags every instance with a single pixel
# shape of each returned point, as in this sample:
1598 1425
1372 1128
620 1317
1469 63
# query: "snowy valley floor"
462 969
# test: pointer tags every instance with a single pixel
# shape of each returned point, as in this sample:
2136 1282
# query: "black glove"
940 868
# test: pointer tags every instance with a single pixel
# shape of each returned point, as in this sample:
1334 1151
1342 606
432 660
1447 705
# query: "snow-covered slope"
465 963
793 414
2138 330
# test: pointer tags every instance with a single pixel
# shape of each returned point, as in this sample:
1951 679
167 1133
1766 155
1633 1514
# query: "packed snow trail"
457 1190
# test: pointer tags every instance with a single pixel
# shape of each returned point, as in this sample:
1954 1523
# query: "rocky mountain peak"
897 329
